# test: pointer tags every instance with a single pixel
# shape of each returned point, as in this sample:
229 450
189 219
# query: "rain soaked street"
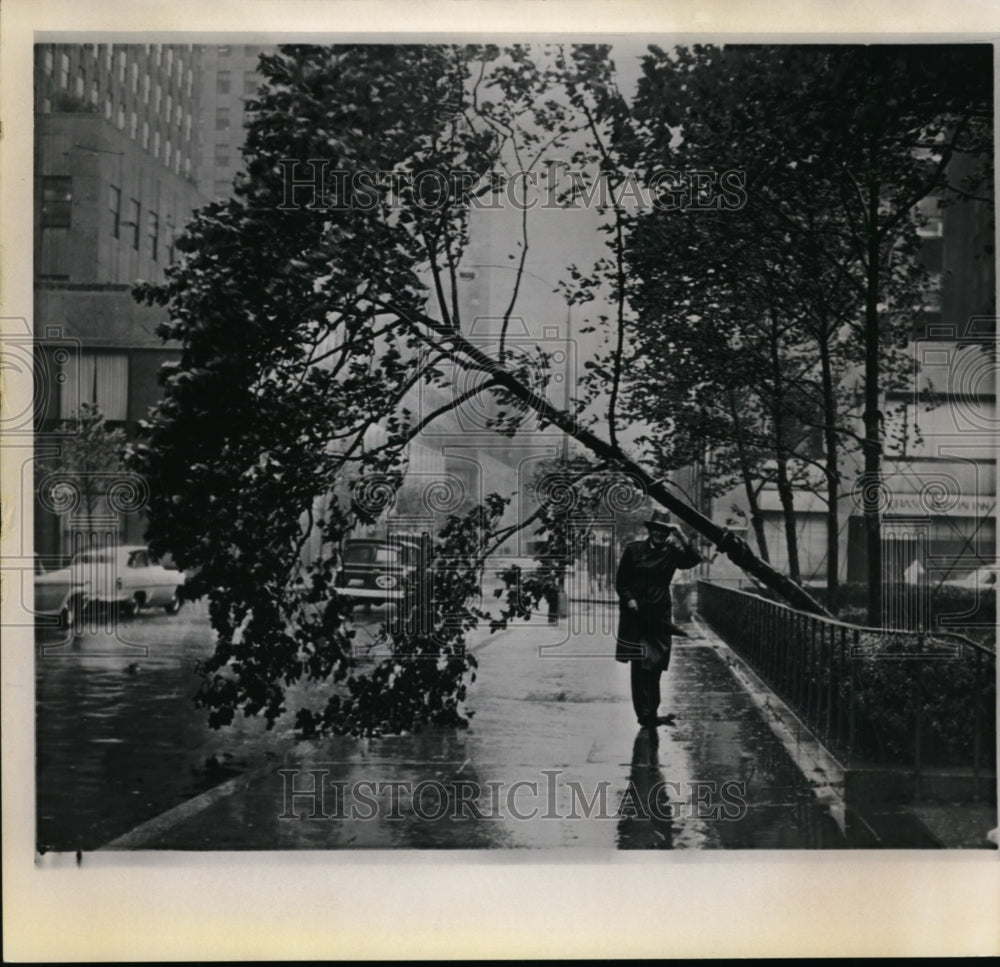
553 757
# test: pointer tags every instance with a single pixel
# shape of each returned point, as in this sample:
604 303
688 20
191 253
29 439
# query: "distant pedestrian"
644 625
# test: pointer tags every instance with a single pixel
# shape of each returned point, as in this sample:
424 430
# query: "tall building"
116 152
231 78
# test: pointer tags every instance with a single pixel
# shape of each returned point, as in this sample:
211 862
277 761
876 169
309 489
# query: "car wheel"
173 605
71 613
130 608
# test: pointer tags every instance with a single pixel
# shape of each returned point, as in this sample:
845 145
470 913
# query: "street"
552 758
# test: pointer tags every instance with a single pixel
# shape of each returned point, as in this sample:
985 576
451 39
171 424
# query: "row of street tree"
743 330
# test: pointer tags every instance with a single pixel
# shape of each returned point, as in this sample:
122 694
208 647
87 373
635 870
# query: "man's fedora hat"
660 521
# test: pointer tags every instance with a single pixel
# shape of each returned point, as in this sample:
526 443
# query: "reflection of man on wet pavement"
644 626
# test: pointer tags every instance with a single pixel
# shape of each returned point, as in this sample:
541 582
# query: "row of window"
57 212
122 66
224 82
173 111
225 50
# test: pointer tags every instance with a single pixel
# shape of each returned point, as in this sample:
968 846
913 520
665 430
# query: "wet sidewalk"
553 758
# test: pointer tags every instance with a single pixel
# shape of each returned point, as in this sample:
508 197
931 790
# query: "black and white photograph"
550 446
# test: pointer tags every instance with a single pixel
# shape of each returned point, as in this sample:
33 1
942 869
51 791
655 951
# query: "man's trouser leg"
645 692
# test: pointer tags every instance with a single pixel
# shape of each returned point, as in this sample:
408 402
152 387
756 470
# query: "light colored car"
129 577
59 592
982 577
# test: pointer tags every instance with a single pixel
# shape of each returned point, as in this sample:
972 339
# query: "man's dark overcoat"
644 575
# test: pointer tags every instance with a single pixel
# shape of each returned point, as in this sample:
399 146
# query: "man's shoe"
667 719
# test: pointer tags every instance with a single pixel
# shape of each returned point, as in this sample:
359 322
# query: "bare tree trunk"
872 446
832 474
785 494
756 520
736 550
787 498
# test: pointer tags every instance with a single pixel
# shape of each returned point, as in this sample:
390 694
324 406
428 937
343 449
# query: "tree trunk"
871 489
832 474
787 498
737 551
785 494
756 520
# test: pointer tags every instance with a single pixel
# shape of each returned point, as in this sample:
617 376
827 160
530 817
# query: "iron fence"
873 696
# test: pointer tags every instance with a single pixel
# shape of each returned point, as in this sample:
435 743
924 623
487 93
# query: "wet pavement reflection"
552 758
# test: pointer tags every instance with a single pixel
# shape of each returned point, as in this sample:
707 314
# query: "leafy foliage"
302 316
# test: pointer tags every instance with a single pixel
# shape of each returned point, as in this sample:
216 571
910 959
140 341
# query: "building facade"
116 153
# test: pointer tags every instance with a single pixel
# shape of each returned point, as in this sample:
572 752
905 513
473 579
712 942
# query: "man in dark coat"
644 626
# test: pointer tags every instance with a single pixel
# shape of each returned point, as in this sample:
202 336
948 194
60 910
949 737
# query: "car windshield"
369 554
93 557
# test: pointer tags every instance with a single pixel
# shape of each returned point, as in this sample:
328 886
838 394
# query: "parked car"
375 571
982 577
59 592
129 577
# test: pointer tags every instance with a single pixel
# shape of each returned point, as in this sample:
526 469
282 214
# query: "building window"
225 50
97 378
145 135
135 210
47 62
47 106
222 187
223 82
154 236
250 82
121 67
133 125
120 118
222 119
222 155
115 206
156 144
177 114
177 162
189 82
145 88
64 71
134 76
170 108
187 127
187 167
108 107
167 151
57 201
107 58
156 99
95 94
169 59
81 82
